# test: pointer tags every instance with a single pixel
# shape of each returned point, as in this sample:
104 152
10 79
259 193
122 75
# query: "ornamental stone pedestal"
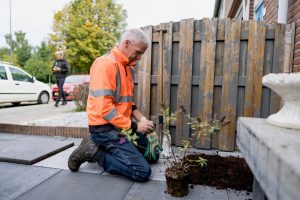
288 87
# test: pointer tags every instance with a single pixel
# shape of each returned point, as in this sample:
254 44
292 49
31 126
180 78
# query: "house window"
259 11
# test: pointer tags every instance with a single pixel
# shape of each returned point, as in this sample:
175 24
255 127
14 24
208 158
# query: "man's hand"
145 126
56 69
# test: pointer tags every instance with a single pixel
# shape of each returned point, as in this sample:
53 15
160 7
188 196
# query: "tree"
87 29
40 63
5 55
21 47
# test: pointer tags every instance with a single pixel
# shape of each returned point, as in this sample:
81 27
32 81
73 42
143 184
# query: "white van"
18 86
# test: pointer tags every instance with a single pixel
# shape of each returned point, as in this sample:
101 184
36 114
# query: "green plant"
81 93
167 118
180 163
131 137
166 137
202 128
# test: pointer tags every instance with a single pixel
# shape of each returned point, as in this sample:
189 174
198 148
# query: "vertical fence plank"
164 71
278 60
167 64
289 47
207 67
230 83
185 78
145 77
161 30
253 87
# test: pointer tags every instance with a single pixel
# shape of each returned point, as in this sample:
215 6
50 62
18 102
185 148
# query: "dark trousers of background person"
117 157
60 83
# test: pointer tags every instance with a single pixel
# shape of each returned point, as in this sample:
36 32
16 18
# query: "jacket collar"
122 59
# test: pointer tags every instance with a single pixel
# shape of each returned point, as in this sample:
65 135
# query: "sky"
35 17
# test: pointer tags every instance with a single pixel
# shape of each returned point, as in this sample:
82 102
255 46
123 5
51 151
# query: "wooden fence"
212 66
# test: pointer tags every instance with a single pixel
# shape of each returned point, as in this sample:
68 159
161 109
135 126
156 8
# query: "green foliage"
5 55
21 47
81 93
87 29
201 161
40 63
203 128
200 128
131 137
167 118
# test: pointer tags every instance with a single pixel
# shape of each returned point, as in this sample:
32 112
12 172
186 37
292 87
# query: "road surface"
31 112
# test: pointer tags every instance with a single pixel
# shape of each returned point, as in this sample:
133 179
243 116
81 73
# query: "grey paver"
17 179
29 149
158 170
239 195
67 185
60 161
153 190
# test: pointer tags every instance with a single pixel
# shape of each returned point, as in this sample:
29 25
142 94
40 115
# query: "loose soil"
221 172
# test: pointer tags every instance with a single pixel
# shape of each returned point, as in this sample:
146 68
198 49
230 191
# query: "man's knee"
142 174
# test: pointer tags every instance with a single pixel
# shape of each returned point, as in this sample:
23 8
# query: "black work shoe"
56 104
64 103
86 151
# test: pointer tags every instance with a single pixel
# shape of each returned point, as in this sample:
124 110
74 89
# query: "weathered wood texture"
212 67
144 80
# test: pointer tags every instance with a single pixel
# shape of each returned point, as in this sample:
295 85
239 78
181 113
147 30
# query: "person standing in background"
60 68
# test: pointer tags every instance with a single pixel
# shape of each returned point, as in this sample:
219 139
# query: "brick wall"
294 16
251 9
75 132
271 11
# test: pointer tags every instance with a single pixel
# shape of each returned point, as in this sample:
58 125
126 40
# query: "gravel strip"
74 119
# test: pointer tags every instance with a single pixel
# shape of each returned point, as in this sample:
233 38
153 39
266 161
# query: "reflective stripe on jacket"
110 97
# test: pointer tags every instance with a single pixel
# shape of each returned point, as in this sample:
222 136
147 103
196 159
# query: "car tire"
43 98
16 103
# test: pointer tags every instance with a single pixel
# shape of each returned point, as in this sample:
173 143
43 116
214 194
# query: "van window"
18 75
3 75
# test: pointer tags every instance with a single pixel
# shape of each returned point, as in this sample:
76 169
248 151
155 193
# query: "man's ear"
127 43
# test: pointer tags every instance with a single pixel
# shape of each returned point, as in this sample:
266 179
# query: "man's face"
58 56
135 50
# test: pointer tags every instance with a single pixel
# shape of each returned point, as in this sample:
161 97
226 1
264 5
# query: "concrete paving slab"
158 170
157 190
16 179
60 161
157 173
239 195
29 149
67 185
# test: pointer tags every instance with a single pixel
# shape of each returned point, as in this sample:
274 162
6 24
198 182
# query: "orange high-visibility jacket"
110 97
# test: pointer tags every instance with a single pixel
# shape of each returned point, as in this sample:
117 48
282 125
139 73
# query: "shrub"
81 93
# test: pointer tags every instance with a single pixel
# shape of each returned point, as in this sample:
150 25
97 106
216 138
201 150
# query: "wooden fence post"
145 77
207 73
185 78
230 83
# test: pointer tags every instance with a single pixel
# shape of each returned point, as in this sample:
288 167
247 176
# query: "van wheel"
16 103
43 98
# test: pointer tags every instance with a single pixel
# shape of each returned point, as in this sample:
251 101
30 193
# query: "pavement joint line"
54 174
